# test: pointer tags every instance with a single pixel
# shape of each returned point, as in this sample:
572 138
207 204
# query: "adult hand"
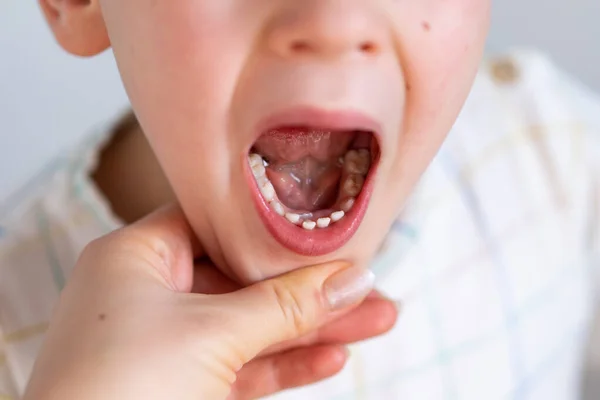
139 320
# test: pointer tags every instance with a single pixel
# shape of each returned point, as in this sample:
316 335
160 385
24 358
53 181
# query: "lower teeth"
293 218
323 222
278 208
356 164
347 204
309 225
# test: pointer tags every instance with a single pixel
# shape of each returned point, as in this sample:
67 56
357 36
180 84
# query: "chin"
264 258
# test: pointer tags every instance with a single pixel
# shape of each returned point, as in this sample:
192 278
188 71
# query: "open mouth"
311 181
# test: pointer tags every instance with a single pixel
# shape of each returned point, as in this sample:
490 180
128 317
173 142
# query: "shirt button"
504 71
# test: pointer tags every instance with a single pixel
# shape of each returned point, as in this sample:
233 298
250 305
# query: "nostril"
303 46
300 46
368 47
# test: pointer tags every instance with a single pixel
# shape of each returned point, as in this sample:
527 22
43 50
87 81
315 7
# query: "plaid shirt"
493 257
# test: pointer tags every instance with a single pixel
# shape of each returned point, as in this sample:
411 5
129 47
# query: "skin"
201 74
175 329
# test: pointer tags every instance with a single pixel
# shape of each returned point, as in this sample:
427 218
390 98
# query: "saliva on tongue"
304 166
307 184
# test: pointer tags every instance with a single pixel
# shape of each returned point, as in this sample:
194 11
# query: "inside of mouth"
312 176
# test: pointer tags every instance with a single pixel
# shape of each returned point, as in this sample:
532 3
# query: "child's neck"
129 175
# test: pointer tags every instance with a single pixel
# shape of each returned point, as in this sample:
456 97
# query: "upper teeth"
356 164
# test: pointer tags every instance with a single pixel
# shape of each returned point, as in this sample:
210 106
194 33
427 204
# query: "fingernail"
348 287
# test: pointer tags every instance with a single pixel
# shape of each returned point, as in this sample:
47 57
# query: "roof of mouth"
295 143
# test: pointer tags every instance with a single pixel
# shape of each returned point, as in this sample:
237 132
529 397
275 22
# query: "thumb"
291 305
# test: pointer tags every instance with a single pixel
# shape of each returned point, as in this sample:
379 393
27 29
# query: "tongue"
304 165
306 185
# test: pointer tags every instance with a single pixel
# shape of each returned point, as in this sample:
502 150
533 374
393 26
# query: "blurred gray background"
48 99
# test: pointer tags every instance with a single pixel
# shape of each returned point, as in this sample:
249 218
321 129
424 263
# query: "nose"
327 29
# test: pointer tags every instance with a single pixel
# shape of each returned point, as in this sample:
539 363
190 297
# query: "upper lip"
338 120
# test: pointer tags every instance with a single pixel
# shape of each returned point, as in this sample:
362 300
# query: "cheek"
179 64
441 46
440 43
180 67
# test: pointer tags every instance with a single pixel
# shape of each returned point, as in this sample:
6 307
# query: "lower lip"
317 242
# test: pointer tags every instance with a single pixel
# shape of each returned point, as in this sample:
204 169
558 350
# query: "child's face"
207 78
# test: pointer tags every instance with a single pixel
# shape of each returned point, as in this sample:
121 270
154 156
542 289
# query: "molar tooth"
357 162
364 157
348 204
293 218
350 160
268 191
323 222
262 180
255 159
309 225
353 185
258 170
277 207
336 216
